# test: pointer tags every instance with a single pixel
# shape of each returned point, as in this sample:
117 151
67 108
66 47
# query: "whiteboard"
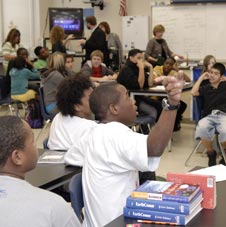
194 30
135 32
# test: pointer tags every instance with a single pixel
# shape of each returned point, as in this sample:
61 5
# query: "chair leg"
169 145
43 129
221 149
193 152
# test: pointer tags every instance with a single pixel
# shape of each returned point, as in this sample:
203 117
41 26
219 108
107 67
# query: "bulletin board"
135 32
193 30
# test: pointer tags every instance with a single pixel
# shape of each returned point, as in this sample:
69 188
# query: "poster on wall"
135 32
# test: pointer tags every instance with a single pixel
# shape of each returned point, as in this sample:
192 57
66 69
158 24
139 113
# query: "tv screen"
70 19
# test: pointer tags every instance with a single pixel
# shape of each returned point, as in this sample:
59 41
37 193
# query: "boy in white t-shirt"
22 204
75 115
114 153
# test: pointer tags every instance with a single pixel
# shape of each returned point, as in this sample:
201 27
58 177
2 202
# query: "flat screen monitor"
70 19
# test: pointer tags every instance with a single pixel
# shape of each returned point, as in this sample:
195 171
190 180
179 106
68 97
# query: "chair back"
45 143
76 194
46 116
197 108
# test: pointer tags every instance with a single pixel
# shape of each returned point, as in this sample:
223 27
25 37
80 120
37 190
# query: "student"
22 204
10 46
69 59
21 52
114 153
42 54
96 69
169 68
97 41
214 110
133 75
20 76
157 49
208 62
51 78
75 115
57 39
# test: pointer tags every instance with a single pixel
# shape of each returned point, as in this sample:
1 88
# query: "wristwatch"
167 106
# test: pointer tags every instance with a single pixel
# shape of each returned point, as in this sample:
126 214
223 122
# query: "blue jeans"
209 125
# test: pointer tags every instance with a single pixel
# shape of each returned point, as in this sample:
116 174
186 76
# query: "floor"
182 144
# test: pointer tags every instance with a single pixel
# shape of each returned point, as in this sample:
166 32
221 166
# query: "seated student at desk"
75 115
96 69
169 68
19 80
115 154
134 76
42 54
214 110
51 78
22 204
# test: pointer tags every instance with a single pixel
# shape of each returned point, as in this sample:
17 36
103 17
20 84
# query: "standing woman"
114 46
57 38
10 46
51 78
157 50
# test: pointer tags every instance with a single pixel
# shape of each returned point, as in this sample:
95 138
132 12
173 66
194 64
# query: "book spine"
170 218
160 197
162 206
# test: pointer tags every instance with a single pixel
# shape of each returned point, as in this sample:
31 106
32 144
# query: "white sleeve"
74 156
130 151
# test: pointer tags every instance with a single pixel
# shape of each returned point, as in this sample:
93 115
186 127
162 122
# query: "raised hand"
174 86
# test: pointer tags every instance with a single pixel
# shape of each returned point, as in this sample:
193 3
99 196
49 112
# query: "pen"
155 222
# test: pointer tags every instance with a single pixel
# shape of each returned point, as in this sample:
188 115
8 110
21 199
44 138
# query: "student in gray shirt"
21 204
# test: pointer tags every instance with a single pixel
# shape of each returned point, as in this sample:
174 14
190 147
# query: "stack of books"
164 202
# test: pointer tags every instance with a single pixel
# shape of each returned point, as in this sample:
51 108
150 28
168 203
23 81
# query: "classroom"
193 32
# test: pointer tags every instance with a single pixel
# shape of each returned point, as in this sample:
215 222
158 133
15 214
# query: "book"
165 217
169 191
165 206
50 156
207 184
216 171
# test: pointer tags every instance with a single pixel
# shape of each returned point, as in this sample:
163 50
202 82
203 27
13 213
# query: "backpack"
34 116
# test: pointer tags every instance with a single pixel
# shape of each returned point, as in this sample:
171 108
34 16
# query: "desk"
206 218
156 91
51 176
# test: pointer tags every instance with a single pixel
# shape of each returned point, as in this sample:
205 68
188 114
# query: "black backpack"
34 116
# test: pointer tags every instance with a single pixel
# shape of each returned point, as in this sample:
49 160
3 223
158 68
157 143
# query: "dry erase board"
135 32
194 30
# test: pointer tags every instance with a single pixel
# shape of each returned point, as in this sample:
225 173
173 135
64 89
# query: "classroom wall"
30 16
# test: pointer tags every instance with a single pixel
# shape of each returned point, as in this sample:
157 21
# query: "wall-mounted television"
70 19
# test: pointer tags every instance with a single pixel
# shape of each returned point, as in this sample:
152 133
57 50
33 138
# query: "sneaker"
222 162
212 158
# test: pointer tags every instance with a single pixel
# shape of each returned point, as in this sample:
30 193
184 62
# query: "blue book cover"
169 191
156 216
164 206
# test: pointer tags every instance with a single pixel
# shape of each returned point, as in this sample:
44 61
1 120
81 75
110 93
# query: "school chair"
6 100
197 109
46 116
45 143
76 194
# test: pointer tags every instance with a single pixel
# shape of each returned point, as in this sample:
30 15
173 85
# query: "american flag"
123 8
